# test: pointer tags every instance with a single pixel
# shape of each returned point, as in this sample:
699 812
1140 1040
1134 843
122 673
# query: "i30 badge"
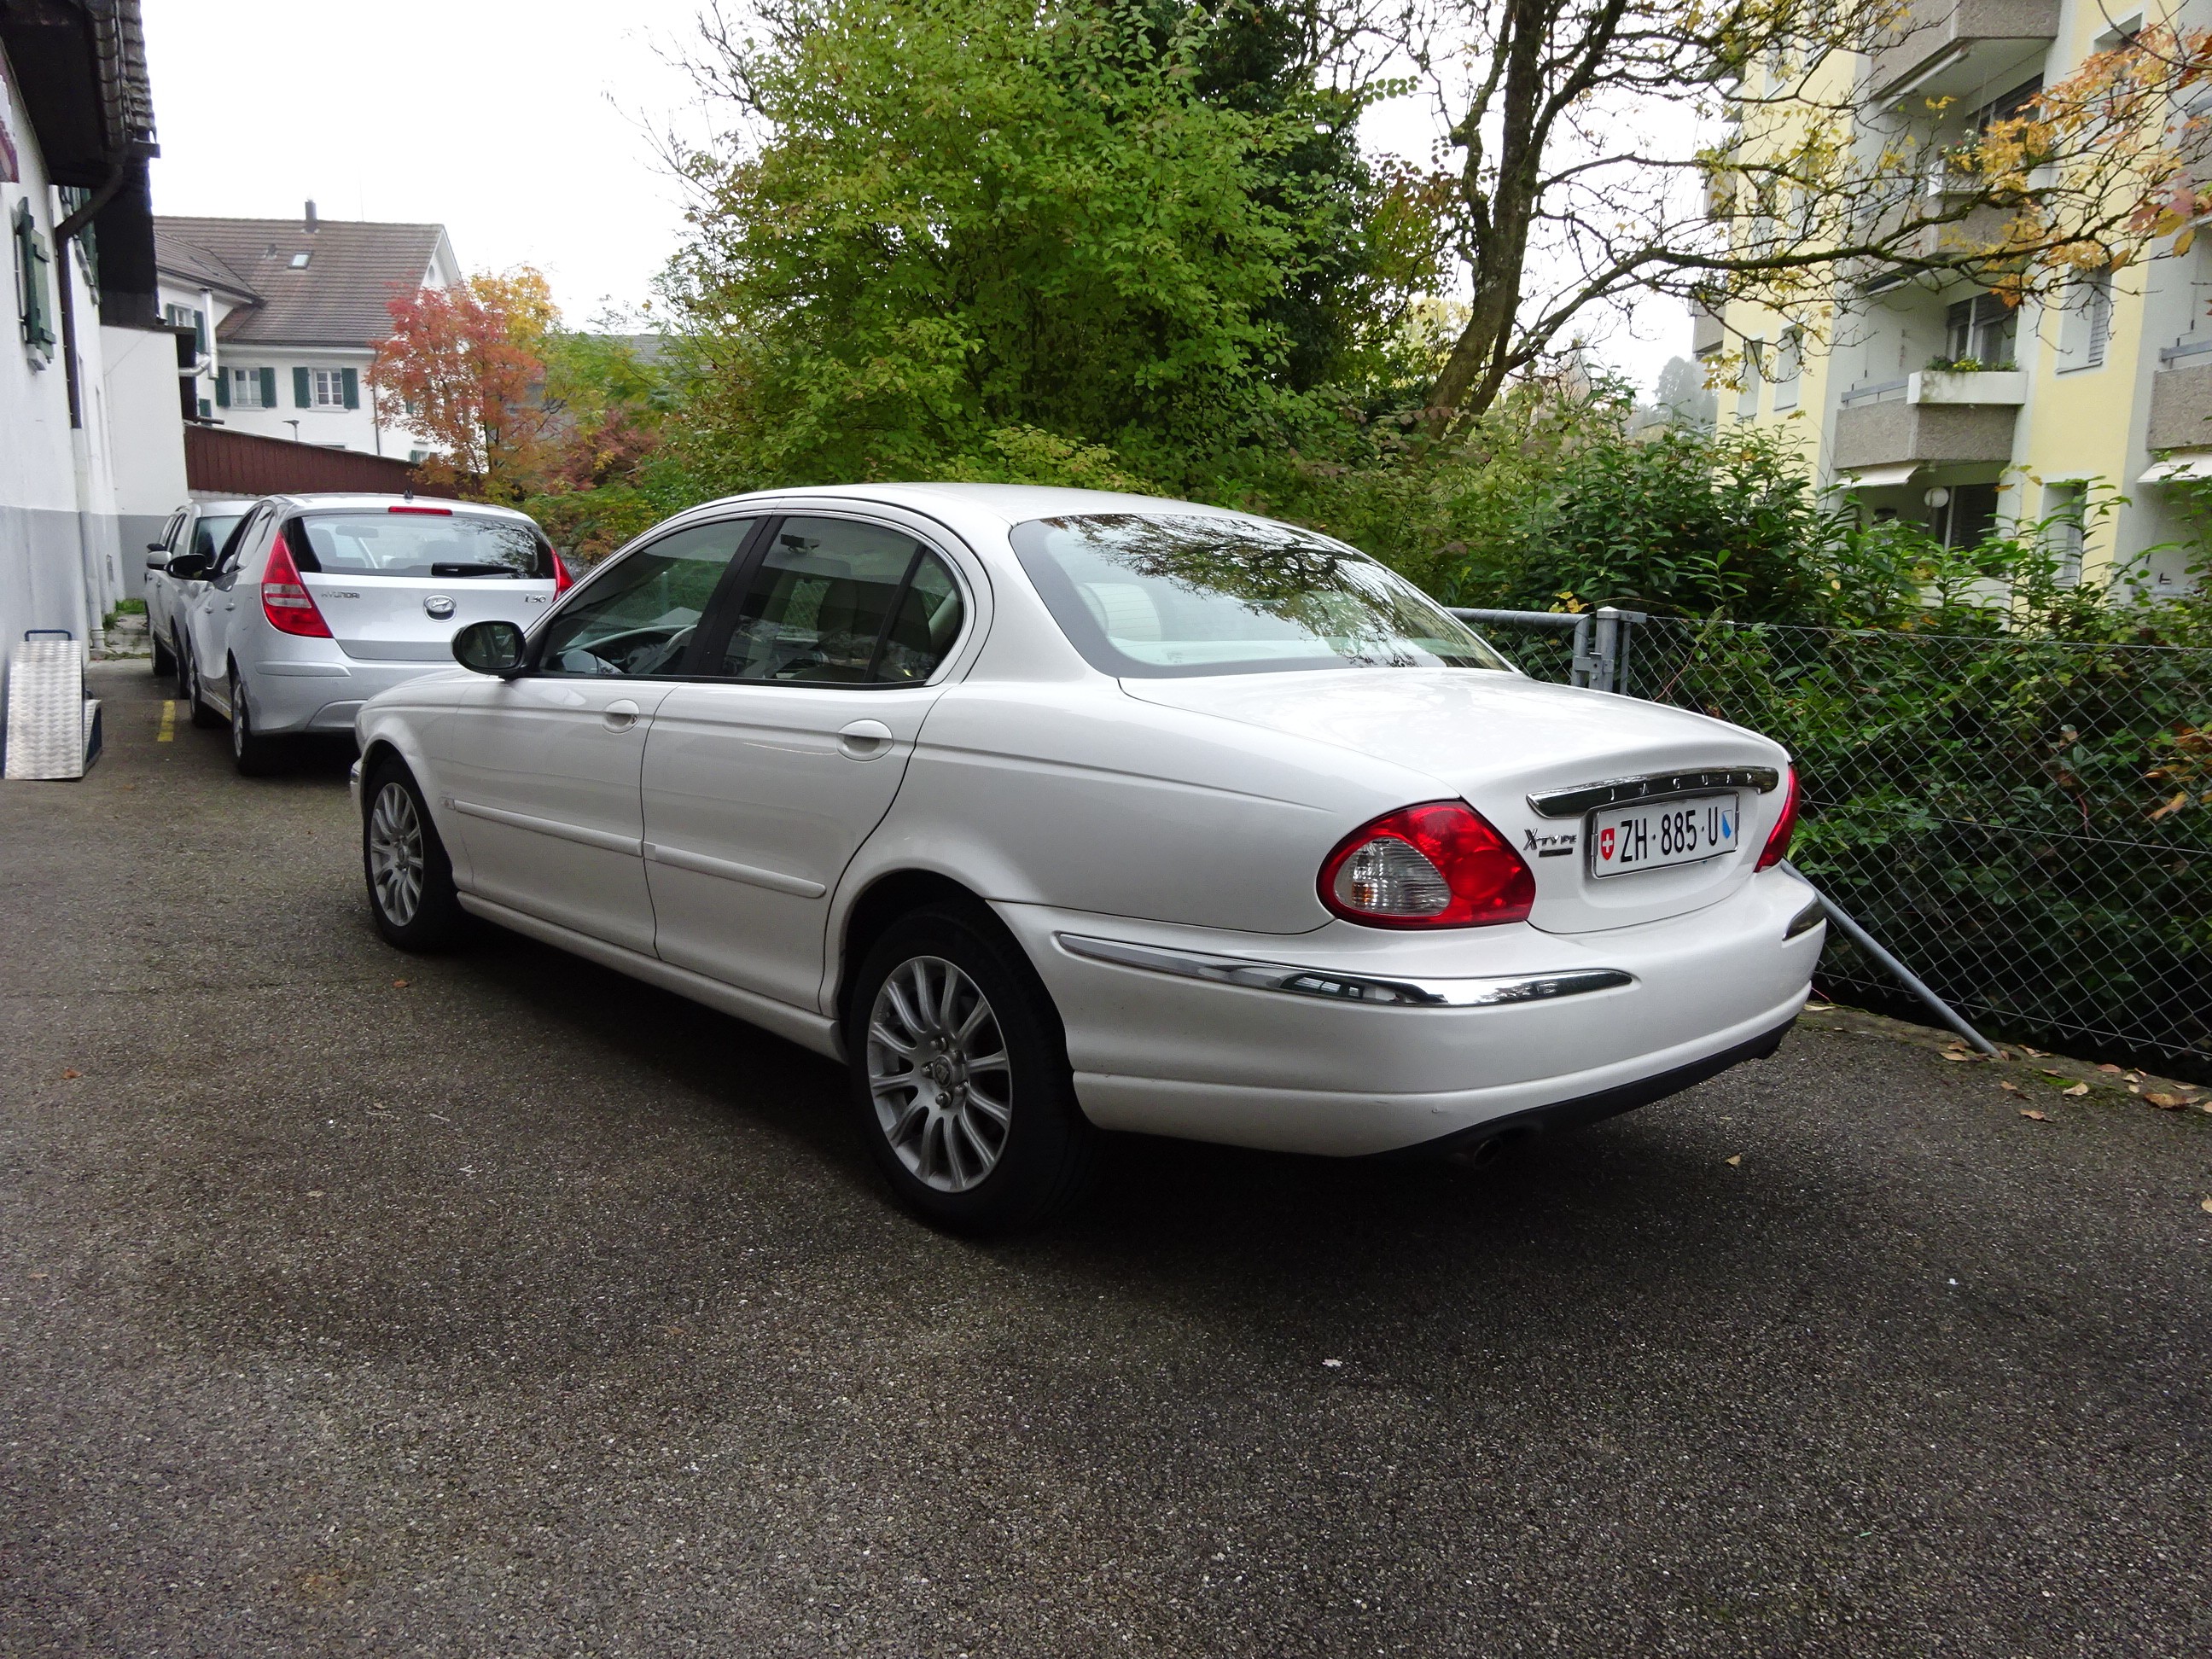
439 607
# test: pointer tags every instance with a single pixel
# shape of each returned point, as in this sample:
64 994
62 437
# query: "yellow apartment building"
2102 391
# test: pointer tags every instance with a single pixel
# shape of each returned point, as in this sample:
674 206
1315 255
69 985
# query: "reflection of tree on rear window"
428 544
1171 594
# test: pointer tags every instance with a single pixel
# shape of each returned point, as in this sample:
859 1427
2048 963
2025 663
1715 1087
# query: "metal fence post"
1608 667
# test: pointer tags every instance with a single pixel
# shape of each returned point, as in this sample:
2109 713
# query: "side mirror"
157 556
489 647
190 567
162 548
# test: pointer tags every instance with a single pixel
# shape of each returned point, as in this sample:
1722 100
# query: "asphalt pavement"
352 1302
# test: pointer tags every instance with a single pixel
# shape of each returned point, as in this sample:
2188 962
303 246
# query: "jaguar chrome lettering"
1552 846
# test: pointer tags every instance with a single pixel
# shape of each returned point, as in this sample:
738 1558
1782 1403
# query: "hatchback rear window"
386 543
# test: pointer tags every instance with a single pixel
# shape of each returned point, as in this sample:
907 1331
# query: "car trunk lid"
1497 740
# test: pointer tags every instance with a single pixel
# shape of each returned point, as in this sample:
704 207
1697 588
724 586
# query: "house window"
34 306
245 386
2065 529
332 388
2085 328
1788 363
299 262
189 317
1980 330
1747 401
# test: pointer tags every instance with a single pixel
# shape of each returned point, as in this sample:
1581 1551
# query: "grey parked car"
316 603
197 527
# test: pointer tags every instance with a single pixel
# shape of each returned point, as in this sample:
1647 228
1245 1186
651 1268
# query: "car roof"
1010 503
341 500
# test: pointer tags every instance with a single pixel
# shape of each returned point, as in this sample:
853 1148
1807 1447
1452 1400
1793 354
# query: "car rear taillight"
562 581
1778 839
285 600
1438 864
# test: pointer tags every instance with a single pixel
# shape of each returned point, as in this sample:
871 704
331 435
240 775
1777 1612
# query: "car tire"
255 755
975 1149
410 878
188 688
165 660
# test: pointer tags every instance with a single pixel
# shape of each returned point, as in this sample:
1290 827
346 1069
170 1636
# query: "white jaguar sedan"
1049 812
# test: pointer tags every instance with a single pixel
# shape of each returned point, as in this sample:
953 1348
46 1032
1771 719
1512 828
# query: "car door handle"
863 740
619 716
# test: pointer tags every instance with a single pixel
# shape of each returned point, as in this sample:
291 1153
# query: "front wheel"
960 1076
410 879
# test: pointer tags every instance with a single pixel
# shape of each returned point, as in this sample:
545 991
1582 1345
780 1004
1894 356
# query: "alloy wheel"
396 857
938 1074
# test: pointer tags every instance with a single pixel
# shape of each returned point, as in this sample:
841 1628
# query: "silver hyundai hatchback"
319 601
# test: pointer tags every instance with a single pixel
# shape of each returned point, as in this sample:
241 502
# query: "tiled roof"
338 297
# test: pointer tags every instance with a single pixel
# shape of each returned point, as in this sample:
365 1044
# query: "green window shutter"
269 388
303 394
352 388
222 388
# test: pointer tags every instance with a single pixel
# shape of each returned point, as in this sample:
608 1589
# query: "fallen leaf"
2135 1088
2167 1103
1956 1054
2134 1077
313 1195
68 1071
2078 1089
1819 1007
2025 1049
398 984
2047 1072
2038 1116
2112 1069
2014 1087
2206 1205
1733 1162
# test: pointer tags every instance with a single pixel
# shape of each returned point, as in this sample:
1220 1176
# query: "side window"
242 539
842 603
639 617
177 522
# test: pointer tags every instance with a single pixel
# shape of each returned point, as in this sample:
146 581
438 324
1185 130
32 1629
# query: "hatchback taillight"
562 581
1438 864
1778 839
285 600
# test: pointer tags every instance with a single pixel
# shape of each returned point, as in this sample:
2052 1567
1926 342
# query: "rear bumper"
297 694
1309 1068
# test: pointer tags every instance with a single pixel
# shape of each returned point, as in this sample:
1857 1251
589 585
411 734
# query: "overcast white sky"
520 126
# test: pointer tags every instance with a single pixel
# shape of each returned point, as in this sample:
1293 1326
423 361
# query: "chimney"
311 216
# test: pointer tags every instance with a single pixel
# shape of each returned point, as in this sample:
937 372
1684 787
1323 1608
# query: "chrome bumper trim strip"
1653 786
1345 988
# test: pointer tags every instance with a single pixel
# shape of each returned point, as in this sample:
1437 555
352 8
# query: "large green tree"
942 221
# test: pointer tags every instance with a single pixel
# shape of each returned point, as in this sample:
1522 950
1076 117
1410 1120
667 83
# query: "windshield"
212 532
419 542
1146 596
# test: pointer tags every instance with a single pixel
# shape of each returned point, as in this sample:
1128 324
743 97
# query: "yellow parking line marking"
168 732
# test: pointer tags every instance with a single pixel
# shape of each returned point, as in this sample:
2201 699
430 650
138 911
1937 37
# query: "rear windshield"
1150 596
387 544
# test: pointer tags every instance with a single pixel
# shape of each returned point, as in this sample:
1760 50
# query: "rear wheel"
188 688
960 1076
410 879
255 755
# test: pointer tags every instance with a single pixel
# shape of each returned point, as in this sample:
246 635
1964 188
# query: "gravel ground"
495 1304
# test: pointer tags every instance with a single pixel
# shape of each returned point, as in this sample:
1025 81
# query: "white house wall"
147 434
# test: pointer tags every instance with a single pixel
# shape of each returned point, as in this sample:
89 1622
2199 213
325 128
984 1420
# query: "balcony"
1951 46
1929 420
2181 399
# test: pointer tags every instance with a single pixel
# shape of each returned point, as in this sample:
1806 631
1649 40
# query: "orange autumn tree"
465 366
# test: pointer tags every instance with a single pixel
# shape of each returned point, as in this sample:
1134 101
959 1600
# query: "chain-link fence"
2028 823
